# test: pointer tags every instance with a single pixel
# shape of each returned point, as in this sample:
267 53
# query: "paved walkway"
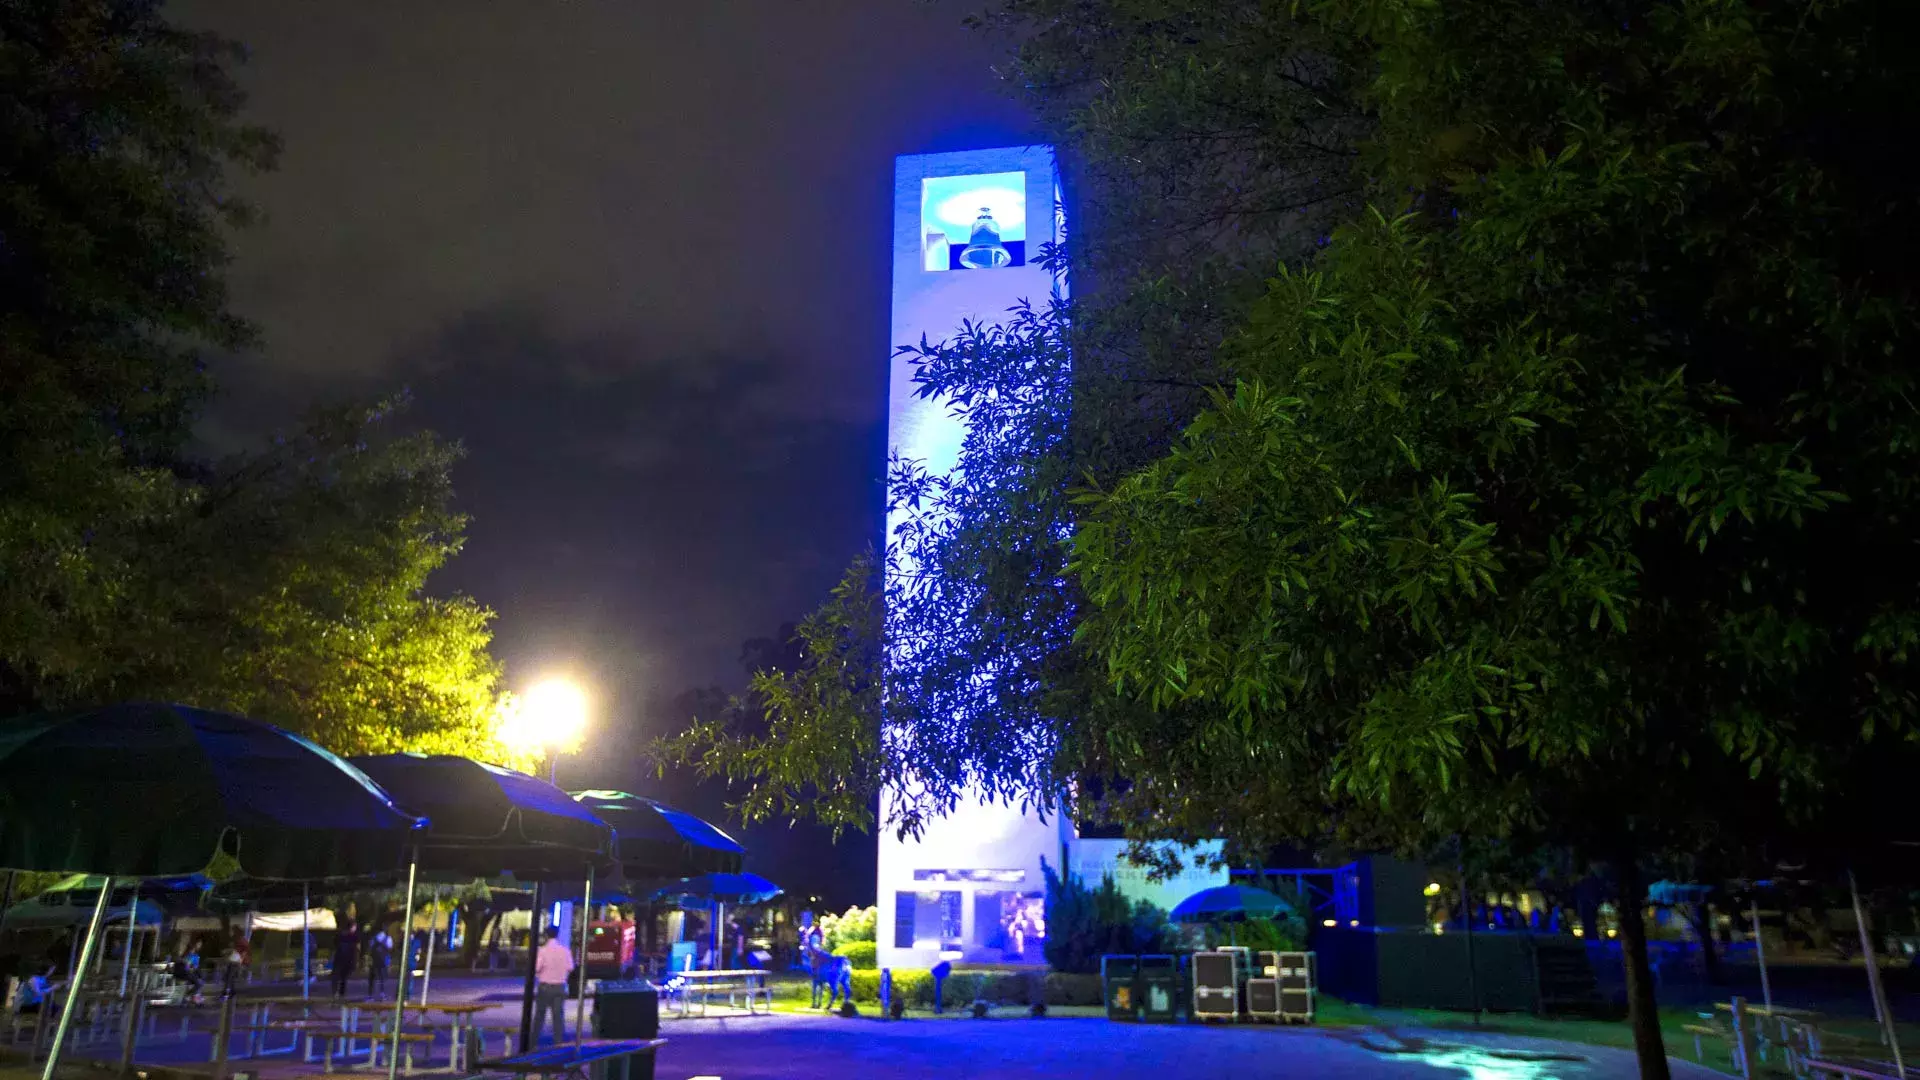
787 1047
819 1047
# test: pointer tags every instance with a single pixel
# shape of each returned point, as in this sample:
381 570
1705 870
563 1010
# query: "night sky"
632 254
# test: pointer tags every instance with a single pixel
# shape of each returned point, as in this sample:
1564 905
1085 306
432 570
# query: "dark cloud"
634 256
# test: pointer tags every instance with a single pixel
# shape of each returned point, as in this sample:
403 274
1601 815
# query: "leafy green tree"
290 583
114 150
1565 505
807 739
1087 922
1555 507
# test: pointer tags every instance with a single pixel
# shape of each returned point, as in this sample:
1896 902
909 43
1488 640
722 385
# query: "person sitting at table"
551 966
184 970
33 994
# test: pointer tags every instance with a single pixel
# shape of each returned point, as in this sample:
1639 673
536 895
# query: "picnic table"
462 1014
574 1061
1794 1032
737 982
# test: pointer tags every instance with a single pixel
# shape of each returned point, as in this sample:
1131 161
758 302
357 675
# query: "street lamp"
552 717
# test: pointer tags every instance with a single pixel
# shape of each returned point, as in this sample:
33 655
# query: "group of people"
346 957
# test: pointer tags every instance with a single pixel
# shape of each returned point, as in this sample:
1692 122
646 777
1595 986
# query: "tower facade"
967 232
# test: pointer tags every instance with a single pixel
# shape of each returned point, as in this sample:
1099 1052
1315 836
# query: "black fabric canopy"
486 820
153 790
658 843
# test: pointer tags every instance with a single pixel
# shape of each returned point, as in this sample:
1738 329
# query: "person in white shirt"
551 966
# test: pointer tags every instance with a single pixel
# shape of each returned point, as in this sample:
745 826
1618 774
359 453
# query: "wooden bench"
408 1041
477 1040
341 1040
257 1038
750 991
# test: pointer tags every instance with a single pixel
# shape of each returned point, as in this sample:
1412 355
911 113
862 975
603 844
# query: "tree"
794 727
1566 504
114 152
1575 468
288 583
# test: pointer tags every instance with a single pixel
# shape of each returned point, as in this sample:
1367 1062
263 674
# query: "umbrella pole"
533 951
433 930
306 944
580 1010
73 988
1873 979
126 959
399 991
1760 953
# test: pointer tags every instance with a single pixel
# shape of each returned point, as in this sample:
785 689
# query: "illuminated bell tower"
967 232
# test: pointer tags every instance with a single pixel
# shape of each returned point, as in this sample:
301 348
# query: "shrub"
861 954
1285 934
980 1010
1066 988
1084 924
1038 1010
915 987
911 985
854 924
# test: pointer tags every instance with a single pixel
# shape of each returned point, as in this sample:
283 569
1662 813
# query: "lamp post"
551 716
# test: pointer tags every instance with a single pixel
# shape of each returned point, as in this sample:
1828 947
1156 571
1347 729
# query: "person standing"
551 966
346 957
239 955
379 953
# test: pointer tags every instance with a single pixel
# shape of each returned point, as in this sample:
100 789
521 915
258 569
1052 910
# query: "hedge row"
915 986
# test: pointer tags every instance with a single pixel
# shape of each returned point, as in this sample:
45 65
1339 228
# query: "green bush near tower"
915 987
861 954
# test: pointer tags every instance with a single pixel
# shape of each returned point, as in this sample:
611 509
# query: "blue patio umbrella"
726 888
723 889
1230 904
485 820
658 843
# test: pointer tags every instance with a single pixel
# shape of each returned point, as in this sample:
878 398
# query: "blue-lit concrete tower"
967 231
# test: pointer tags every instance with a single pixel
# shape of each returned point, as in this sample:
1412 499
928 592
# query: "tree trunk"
479 924
1701 915
1642 1013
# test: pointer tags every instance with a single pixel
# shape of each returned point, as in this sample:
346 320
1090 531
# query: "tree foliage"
804 740
1086 922
289 583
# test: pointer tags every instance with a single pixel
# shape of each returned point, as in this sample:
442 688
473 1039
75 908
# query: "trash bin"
1120 985
1159 984
626 1010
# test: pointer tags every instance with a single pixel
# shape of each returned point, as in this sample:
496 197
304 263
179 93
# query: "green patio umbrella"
149 790
155 790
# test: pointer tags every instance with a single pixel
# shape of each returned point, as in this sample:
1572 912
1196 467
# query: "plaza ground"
798 1044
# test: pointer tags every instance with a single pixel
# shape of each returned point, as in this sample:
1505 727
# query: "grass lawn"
1575 1030
792 993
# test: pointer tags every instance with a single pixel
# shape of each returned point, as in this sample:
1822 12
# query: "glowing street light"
551 717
